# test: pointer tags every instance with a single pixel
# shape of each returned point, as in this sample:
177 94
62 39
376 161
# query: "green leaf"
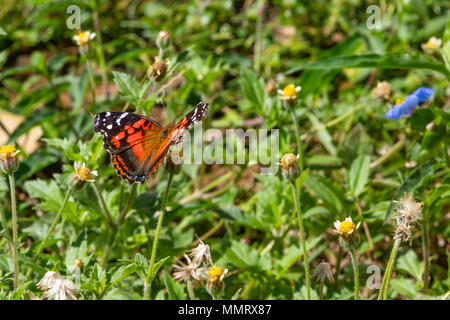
411 183
236 294
359 174
157 266
129 87
410 263
396 60
174 289
405 287
446 46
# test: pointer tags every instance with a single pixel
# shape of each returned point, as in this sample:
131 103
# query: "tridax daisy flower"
201 254
407 106
289 93
158 69
82 174
8 159
347 230
432 43
289 166
382 90
83 38
56 287
322 271
215 277
189 271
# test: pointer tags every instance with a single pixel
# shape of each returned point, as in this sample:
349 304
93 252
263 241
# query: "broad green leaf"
359 174
157 266
410 263
397 60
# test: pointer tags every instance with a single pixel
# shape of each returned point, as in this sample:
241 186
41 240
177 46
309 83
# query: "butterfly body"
138 144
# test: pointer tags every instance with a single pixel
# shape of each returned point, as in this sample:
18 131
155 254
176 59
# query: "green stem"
104 206
356 272
91 79
257 49
321 289
426 251
302 236
5 226
190 289
52 227
298 138
12 185
389 269
143 93
148 282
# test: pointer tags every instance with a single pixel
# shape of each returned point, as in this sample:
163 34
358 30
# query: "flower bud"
174 161
8 159
215 284
78 263
289 166
163 39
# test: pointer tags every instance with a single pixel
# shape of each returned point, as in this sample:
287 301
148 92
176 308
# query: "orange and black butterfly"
137 144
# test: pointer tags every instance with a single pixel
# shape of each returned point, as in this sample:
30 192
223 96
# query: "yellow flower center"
346 226
398 101
289 91
83 37
6 151
431 44
215 273
84 173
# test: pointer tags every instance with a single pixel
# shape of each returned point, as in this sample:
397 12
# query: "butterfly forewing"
137 144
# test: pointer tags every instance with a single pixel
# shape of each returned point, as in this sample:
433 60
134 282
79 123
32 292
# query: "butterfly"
137 144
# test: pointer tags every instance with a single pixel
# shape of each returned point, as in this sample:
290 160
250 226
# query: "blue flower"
410 103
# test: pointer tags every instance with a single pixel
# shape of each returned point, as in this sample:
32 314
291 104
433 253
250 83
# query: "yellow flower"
215 277
83 38
432 43
289 93
347 231
398 101
82 174
8 158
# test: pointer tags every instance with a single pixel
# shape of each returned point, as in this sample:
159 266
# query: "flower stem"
426 251
12 185
148 282
388 273
190 289
356 272
298 138
302 236
52 227
7 234
91 79
321 289
103 205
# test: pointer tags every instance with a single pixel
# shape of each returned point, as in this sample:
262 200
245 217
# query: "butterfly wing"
132 140
176 132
